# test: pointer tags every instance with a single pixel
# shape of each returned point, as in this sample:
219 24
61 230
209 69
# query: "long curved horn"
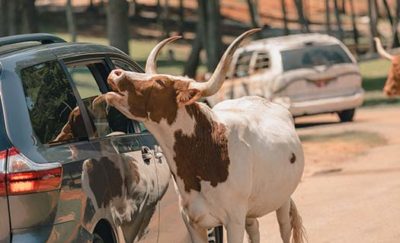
217 79
382 51
151 64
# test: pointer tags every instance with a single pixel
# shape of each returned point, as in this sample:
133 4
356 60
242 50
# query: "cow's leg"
285 227
197 234
235 226
252 230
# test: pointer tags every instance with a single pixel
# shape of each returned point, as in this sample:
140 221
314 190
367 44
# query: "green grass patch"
370 138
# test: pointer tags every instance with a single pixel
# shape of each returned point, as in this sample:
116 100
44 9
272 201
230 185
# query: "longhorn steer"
231 164
392 85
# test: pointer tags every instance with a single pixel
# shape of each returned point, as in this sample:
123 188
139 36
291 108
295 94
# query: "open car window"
89 79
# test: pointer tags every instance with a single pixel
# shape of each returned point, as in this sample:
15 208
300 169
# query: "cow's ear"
187 96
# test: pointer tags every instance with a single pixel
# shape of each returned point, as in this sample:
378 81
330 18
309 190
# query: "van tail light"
24 176
3 189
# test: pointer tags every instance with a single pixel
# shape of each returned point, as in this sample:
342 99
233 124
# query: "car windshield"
310 56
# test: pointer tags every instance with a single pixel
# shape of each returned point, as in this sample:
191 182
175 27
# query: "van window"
262 61
52 106
310 56
88 79
242 65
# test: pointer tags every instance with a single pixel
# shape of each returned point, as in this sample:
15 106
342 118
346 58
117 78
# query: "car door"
119 178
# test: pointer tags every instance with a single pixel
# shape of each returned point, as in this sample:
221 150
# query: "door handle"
146 154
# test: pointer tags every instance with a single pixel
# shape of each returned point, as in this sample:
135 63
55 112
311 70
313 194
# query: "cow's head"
392 85
151 96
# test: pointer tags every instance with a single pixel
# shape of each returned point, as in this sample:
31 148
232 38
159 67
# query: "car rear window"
312 55
51 103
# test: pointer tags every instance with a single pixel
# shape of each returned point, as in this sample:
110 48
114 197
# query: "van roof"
291 41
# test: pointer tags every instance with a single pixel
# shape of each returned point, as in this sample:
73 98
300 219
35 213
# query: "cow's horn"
151 63
382 51
218 77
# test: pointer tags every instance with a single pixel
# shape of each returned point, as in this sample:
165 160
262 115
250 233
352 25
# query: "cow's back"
264 149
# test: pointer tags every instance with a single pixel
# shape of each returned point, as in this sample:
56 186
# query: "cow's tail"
298 231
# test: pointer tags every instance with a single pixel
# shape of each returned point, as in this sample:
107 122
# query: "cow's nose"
114 77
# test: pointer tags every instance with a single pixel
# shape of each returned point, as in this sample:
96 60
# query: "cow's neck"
195 147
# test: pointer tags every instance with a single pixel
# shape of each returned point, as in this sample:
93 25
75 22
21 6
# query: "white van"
309 73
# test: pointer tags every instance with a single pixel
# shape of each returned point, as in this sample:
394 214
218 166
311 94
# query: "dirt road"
350 191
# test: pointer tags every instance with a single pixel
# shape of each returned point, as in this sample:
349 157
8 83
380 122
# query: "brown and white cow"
392 85
231 164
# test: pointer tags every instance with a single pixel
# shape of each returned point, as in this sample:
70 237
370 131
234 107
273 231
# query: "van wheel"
216 235
346 115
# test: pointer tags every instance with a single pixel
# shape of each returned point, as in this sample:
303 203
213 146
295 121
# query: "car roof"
291 42
61 50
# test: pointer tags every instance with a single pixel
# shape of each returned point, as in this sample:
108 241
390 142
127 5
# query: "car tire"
346 115
216 235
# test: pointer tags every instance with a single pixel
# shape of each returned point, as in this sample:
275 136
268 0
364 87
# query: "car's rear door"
120 176
4 210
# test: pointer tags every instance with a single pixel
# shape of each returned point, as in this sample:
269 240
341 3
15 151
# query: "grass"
374 73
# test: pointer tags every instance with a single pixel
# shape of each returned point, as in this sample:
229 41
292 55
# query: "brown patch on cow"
204 155
293 158
392 85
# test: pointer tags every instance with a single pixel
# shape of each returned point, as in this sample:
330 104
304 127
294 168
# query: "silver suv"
309 73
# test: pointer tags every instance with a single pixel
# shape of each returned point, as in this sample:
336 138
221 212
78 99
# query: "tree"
302 19
69 10
118 25
181 14
373 21
353 23
30 19
3 18
210 18
338 20
328 17
395 34
208 36
254 15
284 17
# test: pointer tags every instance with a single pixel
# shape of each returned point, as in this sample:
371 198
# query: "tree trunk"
254 15
118 25
194 57
211 20
181 18
3 18
338 20
300 12
14 21
395 34
69 11
29 19
343 7
284 17
165 19
354 24
328 17
388 13
373 21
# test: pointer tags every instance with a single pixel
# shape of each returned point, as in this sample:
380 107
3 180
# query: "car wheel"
346 115
216 235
